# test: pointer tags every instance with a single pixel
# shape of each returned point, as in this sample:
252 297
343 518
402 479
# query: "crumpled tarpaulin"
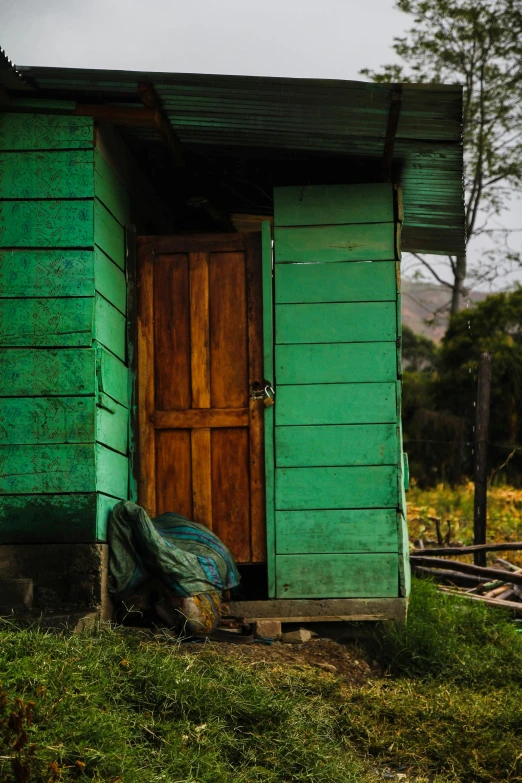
184 556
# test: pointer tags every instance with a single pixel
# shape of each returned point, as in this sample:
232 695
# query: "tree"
476 43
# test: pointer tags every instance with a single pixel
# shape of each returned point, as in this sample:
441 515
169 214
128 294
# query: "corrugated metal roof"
344 118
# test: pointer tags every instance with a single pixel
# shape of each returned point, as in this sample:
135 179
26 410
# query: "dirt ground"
339 659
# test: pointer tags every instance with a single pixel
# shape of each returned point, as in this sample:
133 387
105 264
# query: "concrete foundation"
65 577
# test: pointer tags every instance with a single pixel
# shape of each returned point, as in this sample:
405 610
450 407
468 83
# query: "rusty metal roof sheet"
341 118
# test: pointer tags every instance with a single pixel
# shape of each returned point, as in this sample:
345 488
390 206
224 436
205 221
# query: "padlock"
269 396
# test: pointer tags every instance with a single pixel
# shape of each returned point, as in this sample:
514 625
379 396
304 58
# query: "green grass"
115 706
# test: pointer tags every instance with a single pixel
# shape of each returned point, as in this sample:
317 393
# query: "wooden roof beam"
152 103
391 130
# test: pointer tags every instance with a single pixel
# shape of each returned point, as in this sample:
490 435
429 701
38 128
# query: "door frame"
148 247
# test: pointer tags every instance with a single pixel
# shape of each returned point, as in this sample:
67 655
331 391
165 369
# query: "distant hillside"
421 300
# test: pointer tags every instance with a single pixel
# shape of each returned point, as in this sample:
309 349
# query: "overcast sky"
300 38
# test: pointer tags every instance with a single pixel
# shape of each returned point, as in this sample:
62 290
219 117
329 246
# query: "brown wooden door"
199 355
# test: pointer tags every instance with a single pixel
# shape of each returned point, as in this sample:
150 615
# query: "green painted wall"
64 379
338 502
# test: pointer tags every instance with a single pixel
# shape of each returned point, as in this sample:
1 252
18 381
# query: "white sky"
299 38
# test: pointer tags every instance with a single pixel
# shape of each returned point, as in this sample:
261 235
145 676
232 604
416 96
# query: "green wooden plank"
53 519
104 506
46 322
112 377
51 468
66 174
41 273
322 532
112 472
351 444
357 281
268 365
360 242
109 234
335 363
110 190
315 205
109 327
336 403
112 424
25 420
48 519
337 322
337 576
110 280
47 223
38 372
45 132
336 487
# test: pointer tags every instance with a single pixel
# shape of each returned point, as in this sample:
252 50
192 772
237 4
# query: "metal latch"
266 393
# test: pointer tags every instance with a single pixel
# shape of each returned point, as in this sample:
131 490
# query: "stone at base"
66 578
297 637
16 595
268 629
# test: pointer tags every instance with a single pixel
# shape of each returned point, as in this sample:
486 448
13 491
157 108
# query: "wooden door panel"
228 331
199 353
174 474
230 490
171 332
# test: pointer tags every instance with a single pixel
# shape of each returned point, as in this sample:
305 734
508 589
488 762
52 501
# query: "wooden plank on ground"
46 372
337 576
352 444
336 322
336 487
47 323
67 174
314 244
47 223
45 132
314 205
356 281
322 610
335 363
346 530
26 420
336 403
25 273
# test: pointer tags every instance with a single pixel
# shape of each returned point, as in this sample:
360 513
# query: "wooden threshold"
322 610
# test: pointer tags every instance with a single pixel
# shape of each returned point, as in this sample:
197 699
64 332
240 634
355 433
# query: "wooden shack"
200 310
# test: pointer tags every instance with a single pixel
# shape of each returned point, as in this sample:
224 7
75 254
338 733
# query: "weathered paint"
353 444
335 363
337 575
332 531
337 435
65 420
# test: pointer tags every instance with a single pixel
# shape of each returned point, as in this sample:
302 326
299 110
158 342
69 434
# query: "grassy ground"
454 507
115 705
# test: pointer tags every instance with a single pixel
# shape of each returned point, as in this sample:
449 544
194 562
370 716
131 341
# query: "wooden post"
481 436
